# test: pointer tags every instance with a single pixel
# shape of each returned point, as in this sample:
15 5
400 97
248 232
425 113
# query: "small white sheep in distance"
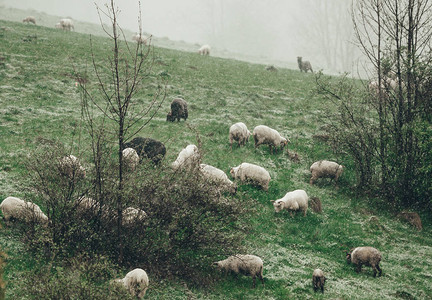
218 176
292 201
131 214
325 168
29 19
318 280
16 208
249 265
70 166
368 256
239 132
136 282
130 158
265 135
304 65
188 158
204 50
247 172
67 24
140 39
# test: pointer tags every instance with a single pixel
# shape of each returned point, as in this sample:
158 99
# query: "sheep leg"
359 267
254 277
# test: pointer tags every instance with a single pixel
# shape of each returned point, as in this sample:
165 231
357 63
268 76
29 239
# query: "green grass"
39 100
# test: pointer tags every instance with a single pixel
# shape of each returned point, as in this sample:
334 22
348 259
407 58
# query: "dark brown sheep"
178 110
147 148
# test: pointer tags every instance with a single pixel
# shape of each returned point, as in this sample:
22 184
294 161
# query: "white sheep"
58 26
204 50
218 176
188 158
325 168
67 24
16 208
140 39
247 172
130 158
238 132
318 280
265 135
29 19
367 256
131 214
70 166
292 201
249 265
136 282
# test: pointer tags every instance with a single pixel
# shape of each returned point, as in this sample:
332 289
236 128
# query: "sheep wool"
130 158
254 174
16 208
318 280
218 176
293 201
367 256
188 158
249 265
265 135
238 132
136 282
325 168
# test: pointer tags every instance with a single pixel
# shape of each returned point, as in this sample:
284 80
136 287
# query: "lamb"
136 282
368 256
131 214
238 132
16 208
218 176
304 65
179 110
147 148
67 24
247 172
130 158
249 265
189 157
29 19
204 50
318 280
140 39
325 168
70 166
292 201
265 135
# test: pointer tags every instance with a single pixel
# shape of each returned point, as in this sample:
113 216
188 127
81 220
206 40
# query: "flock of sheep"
189 158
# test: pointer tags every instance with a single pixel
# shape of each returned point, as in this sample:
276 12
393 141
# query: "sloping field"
39 100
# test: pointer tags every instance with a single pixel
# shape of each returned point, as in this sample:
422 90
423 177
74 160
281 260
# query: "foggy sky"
278 29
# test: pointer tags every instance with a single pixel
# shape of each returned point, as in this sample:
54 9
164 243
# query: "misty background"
276 31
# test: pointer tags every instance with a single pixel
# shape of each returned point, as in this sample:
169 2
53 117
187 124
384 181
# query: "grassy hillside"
39 100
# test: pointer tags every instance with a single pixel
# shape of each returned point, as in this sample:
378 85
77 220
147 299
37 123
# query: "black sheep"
178 110
147 148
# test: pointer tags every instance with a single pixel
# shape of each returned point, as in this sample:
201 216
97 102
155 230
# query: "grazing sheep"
292 201
252 173
204 50
249 265
140 39
367 256
70 166
325 168
271 68
136 282
86 203
189 157
265 135
238 132
16 208
304 65
179 110
67 24
318 280
29 19
131 214
130 158
218 176
147 148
